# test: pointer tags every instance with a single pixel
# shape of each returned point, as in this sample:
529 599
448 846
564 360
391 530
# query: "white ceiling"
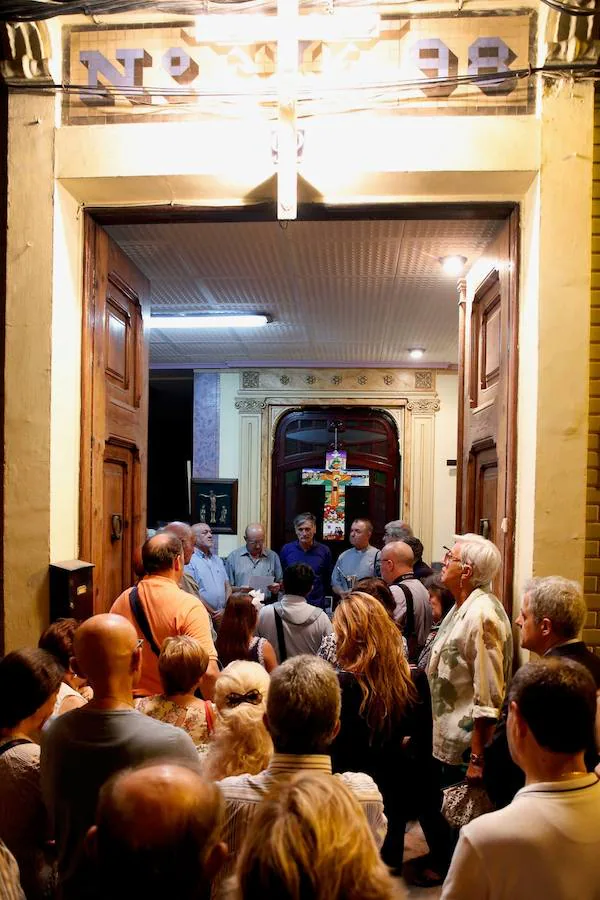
349 293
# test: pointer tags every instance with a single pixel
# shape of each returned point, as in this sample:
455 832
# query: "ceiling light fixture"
453 265
223 321
416 352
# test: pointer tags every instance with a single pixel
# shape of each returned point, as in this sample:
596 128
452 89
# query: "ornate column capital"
461 287
25 52
427 405
250 405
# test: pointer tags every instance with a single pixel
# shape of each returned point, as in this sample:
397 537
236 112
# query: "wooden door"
486 484
370 438
114 414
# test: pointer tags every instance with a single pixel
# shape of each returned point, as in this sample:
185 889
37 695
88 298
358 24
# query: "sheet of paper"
260 582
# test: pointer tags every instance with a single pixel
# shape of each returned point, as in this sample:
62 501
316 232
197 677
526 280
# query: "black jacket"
501 776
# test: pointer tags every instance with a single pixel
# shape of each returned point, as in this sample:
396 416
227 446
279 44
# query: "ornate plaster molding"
250 406
25 52
344 382
429 405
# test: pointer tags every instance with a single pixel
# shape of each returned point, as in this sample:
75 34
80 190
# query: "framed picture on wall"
214 501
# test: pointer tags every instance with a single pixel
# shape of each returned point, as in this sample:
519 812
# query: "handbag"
463 802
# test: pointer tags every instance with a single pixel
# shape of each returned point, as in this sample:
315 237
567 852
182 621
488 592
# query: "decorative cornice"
347 382
250 406
25 52
430 405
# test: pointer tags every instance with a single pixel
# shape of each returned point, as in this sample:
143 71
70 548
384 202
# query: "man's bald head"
161 552
184 532
396 559
254 535
104 648
158 830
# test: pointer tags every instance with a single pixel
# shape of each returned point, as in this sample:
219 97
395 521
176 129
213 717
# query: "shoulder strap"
210 719
280 635
138 613
409 624
14 743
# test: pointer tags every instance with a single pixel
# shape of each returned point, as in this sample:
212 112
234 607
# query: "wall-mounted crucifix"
336 479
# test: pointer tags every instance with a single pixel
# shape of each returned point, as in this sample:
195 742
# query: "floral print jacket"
469 672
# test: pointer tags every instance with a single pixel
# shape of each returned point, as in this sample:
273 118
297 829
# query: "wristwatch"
476 759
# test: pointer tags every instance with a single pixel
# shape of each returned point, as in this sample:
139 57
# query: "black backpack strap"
14 743
280 635
137 611
409 623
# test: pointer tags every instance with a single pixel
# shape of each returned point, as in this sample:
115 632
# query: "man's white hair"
483 557
559 600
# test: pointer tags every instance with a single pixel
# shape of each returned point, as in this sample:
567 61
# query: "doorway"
352 289
368 436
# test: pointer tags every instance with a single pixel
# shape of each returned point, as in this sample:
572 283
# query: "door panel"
118 479
486 482
114 415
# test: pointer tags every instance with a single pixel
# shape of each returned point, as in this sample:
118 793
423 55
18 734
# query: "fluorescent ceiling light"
453 265
232 321
416 352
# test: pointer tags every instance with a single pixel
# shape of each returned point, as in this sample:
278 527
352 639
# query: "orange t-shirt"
170 611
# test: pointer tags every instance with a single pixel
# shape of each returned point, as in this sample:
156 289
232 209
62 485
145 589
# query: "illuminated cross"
336 479
287 29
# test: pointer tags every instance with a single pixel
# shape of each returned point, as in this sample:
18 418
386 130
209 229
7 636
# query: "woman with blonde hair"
386 722
181 664
241 745
310 841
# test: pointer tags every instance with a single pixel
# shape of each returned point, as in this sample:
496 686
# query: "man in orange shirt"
158 608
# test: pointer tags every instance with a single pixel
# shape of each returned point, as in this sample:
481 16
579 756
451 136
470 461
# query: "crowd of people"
201 740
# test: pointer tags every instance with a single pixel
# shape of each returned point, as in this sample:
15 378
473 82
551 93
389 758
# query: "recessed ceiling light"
453 265
224 321
416 352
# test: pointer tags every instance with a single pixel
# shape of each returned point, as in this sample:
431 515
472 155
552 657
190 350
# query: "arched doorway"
370 438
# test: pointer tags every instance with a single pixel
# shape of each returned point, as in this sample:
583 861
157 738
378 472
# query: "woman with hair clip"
236 638
386 723
310 839
240 744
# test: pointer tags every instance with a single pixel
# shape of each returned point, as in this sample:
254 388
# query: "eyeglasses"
448 556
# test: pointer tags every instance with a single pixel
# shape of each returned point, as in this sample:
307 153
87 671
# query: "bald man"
254 559
83 748
163 610
413 611
158 834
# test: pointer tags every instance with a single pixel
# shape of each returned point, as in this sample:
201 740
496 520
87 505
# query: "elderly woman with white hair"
241 743
471 660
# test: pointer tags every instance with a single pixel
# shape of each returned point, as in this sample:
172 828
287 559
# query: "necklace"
576 773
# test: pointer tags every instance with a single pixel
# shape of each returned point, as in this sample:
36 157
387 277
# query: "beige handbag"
463 802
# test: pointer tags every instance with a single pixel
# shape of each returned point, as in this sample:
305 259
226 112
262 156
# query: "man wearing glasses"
254 561
471 660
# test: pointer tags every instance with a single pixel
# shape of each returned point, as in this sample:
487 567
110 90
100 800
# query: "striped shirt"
10 886
243 793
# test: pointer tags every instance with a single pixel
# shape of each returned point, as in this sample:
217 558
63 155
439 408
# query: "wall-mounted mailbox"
71 589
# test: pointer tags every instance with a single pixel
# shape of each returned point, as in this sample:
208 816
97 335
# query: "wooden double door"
487 404
114 432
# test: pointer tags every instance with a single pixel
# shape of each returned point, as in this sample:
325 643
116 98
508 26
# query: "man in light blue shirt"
207 569
357 562
254 559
